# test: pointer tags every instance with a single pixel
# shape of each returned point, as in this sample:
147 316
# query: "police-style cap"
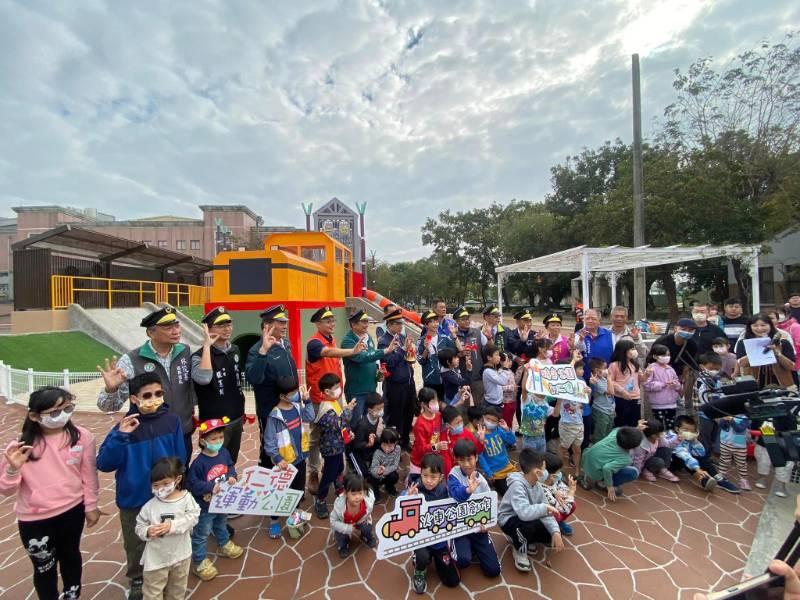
275 313
522 314
427 316
323 313
491 310
460 312
394 315
218 316
552 318
357 316
162 316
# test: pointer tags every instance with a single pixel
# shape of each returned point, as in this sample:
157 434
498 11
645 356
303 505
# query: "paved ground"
662 541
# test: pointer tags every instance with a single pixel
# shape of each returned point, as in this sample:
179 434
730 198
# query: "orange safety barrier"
376 298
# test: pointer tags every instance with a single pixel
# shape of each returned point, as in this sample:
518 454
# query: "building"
222 227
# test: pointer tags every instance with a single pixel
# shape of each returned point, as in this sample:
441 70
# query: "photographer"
780 373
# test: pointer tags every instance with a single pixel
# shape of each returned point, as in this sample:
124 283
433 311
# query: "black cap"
323 313
357 316
552 318
218 316
394 315
687 323
460 312
522 314
491 310
427 316
275 313
162 316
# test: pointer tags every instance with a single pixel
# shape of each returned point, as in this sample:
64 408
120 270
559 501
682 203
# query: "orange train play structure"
301 270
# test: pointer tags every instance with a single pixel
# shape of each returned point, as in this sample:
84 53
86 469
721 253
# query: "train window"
250 276
315 253
339 257
411 512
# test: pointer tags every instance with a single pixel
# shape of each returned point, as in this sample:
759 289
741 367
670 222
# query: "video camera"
779 406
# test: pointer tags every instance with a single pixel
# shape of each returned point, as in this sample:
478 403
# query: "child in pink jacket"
662 386
52 470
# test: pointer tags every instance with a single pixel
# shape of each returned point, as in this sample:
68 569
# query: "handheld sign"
260 491
557 381
415 523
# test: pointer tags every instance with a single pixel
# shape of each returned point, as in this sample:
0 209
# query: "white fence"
17 384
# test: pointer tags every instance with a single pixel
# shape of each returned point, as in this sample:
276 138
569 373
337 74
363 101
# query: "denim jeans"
208 522
625 475
537 443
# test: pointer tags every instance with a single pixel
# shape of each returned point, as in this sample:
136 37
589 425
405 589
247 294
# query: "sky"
153 108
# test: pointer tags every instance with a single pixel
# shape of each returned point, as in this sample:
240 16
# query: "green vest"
360 371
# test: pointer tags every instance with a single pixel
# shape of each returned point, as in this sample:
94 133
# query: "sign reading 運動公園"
556 381
259 491
415 523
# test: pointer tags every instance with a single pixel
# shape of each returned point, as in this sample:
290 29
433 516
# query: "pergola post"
612 281
587 300
500 294
755 284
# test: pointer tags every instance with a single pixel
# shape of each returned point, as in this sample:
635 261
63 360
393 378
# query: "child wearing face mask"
165 524
334 435
287 437
624 378
366 437
652 457
146 434
52 470
559 491
730 367
494 461
453 430
662 386
733 448
603 407
385 462
427 432
212 467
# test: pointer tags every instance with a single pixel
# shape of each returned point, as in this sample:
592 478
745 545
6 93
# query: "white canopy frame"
614 259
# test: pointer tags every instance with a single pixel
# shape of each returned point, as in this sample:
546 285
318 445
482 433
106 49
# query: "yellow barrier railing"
99 292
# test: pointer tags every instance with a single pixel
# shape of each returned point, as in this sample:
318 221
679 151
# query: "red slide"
376 298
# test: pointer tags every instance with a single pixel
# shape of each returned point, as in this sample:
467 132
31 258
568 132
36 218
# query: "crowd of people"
472 427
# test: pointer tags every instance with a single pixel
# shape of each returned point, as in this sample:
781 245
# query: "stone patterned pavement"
663 541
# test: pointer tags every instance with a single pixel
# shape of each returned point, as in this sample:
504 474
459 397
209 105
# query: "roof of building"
229 208
164 218
78 241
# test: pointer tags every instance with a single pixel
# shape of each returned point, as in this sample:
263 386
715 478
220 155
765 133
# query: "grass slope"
55 351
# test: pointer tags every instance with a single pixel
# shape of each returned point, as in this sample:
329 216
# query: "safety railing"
100 292
17 384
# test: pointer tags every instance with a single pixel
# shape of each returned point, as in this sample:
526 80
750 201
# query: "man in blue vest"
162 353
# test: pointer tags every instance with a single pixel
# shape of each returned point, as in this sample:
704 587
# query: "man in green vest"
162 353
360 370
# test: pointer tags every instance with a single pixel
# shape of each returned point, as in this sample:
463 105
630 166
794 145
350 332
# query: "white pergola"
612 260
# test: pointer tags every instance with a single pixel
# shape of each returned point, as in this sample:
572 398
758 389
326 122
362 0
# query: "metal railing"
17 384
100 292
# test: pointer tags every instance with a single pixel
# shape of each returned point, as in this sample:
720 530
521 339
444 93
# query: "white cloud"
413 106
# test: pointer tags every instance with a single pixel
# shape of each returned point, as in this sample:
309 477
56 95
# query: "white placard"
759 351
259 491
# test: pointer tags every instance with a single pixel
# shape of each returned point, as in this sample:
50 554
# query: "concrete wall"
39 321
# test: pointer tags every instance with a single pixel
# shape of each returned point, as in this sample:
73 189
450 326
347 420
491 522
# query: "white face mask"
164 492
58 422
633 354
433 407
549 353
664 360
336 392
721 350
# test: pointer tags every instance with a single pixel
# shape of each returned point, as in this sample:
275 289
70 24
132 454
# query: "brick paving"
661 541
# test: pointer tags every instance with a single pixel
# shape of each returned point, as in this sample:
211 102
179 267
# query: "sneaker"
565 528
275 530
312 483
533 549
780 490
371 542
136 592
344 551
231 550
321 508
420 582
585 483
521 560
618 491
744 485
668 475
761 484
205 570
708 483
727 485
648 476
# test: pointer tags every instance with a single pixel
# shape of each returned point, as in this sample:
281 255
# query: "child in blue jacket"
494 460
287 435
463 481
147 433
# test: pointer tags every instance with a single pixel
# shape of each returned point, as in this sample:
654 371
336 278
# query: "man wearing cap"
473 342
561 344
161 353
427 353
267 362
399 391
520 340
322 356
494 333
217 378
361 370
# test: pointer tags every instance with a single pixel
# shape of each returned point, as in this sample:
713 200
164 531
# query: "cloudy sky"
152 108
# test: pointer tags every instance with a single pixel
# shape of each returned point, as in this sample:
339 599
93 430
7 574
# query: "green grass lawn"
195 313
55 351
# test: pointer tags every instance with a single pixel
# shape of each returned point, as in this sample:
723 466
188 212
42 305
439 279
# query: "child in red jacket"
454 430
427 432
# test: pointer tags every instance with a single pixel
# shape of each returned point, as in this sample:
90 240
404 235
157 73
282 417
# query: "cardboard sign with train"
415 523
556 381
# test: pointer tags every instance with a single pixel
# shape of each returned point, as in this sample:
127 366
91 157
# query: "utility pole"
639 279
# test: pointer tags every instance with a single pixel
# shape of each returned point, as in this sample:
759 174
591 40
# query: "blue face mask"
686 335
490 425
295 397
559 476
214 447
544 476
457 430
